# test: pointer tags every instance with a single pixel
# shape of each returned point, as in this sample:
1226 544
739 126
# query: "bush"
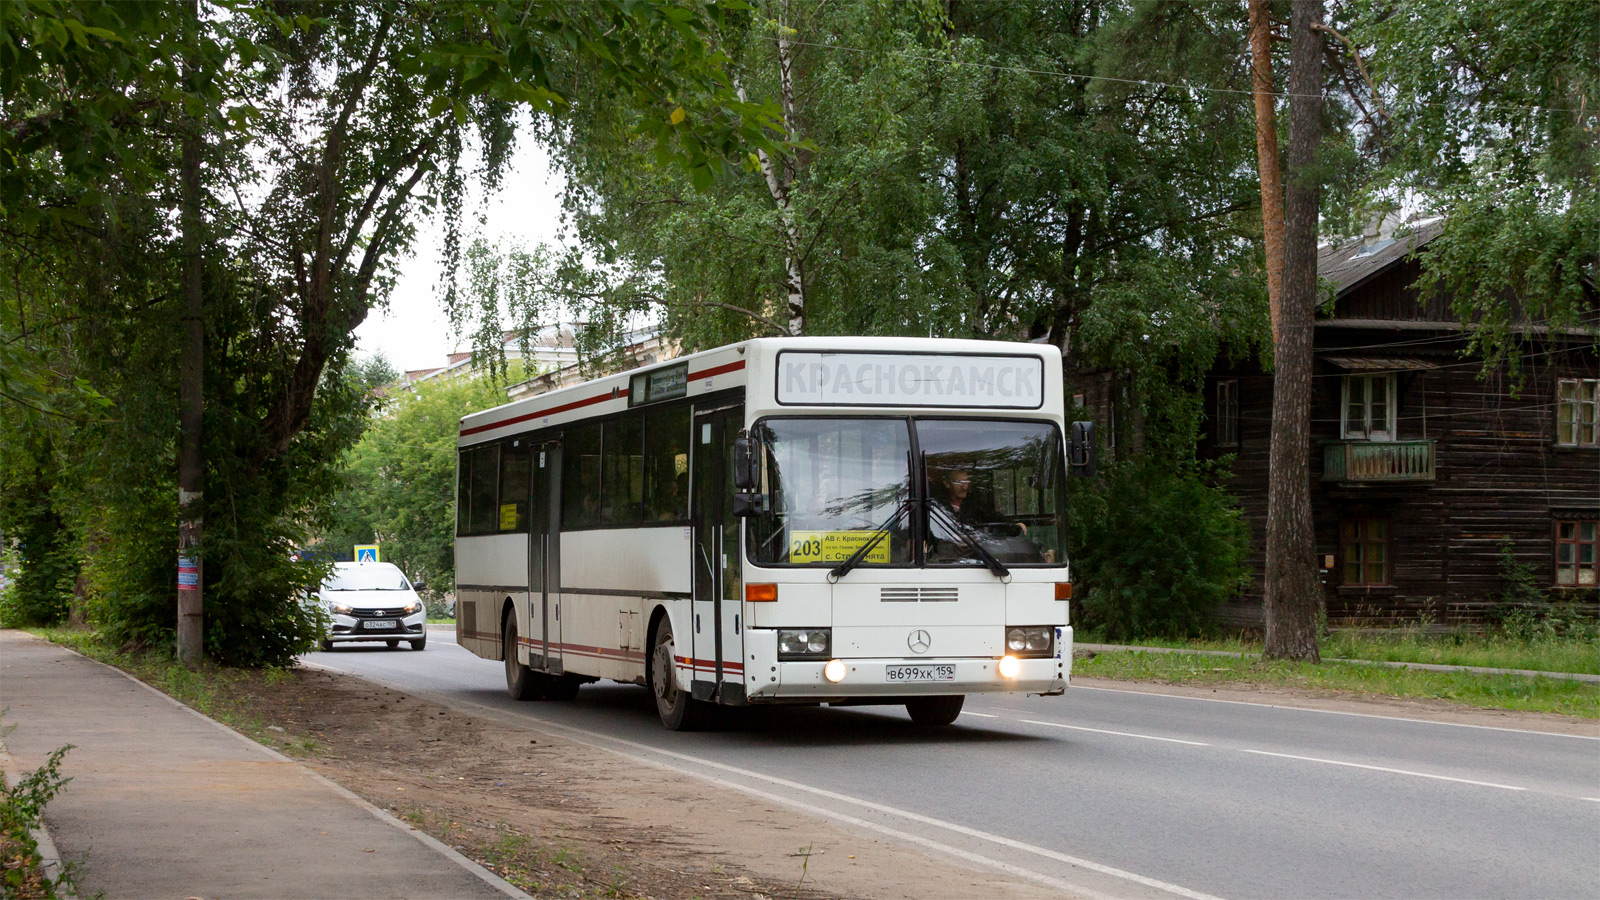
1524 612
1154 549
22 872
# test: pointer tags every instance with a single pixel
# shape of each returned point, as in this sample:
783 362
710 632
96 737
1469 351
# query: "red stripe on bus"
576 404
716 370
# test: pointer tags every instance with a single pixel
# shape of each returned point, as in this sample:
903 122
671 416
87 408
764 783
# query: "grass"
1497 649
1515 692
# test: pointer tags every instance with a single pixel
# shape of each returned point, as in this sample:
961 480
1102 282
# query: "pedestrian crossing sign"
366 553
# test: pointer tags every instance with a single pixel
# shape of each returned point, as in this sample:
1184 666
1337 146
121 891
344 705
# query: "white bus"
786 520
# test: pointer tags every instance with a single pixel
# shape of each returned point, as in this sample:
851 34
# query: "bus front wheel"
935 710
678 710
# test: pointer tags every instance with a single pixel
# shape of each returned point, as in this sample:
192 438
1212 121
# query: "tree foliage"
1495 127
328 131
402 479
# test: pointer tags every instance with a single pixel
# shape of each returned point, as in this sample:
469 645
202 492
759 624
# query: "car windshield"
828 486
387 578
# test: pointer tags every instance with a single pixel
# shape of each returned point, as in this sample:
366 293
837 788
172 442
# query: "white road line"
1594 799
981 715
606 742
1148 737
1337 762
1331 712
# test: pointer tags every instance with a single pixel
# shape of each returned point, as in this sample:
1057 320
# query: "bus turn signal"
1063 590
760 593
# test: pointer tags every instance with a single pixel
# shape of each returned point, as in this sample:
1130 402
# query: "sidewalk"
167 803
1431 667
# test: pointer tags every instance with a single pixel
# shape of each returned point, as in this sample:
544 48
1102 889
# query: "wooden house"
1424 469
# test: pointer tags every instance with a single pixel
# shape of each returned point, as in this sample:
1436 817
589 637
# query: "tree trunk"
1291 580
191 369
780 184
1267 155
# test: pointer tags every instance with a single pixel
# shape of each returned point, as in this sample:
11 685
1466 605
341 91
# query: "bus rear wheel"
522 683
935 710
678 710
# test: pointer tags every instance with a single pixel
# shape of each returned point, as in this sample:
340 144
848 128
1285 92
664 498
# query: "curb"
1429 667
433 843
49 856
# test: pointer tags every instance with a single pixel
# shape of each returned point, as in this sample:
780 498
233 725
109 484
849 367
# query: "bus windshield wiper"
856 558
961 532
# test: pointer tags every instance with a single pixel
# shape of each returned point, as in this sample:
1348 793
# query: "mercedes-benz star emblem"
920 641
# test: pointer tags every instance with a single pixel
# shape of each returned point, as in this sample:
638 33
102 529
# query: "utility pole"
191 372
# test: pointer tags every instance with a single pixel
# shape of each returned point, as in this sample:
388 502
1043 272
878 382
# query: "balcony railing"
1364 461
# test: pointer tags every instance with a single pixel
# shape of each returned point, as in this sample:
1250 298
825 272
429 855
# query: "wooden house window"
1227 413
1368 409
1578 412
1366 551
1577 552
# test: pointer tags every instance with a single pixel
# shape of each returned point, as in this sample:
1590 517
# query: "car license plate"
902 674
381 625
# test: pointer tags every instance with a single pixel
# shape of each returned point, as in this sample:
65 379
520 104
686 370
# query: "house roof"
1350 264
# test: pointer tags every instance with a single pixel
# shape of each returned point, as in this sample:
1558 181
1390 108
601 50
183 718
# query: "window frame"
1227 412
1366 431
1363 541
1569 411
1577 544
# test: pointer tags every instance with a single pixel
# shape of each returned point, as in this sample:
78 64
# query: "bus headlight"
834 670
1009 666
804 643
1031 641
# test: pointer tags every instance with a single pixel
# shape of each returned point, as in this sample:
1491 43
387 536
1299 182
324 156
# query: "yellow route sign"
835 546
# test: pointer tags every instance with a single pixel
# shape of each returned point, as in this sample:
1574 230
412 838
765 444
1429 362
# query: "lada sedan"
372 602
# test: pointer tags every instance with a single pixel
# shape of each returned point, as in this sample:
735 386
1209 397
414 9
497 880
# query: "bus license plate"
382 624
903 674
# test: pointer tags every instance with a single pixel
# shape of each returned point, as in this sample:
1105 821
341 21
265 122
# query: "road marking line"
1593 799
1337 762
600 741
1148 737
981 715
1331 712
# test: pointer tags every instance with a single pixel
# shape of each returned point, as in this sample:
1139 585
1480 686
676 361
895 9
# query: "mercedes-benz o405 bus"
786 520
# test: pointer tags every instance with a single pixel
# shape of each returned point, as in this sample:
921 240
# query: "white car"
372 602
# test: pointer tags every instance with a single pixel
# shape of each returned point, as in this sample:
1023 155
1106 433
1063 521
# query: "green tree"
301 143
1495 127
402 479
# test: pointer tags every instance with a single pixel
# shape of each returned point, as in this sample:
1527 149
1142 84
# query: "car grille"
378 613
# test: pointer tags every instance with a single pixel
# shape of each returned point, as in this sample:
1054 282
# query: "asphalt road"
1126 794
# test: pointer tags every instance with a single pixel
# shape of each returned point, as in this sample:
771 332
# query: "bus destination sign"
660 384
906 379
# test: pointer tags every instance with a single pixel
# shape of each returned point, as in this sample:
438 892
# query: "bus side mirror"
1080 448
746 470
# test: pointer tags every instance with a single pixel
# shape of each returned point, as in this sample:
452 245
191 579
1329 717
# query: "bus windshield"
830 485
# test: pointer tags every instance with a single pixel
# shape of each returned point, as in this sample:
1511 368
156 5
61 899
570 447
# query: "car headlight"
413 607
804 643
340 608
1033 641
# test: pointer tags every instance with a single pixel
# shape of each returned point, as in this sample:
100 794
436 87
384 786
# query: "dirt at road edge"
560 819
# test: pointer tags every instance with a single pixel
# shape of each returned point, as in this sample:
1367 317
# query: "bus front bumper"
891 678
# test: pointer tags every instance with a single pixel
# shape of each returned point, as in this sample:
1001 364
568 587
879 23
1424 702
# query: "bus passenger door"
544 630
718 592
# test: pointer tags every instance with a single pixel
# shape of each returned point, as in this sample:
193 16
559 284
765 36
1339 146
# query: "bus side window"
481 489
623 478
513 508
580 482
463 491
666 464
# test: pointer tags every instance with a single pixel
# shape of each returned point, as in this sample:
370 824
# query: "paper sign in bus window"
508 517
835 546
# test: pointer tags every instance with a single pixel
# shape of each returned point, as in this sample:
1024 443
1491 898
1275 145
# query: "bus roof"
724 368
